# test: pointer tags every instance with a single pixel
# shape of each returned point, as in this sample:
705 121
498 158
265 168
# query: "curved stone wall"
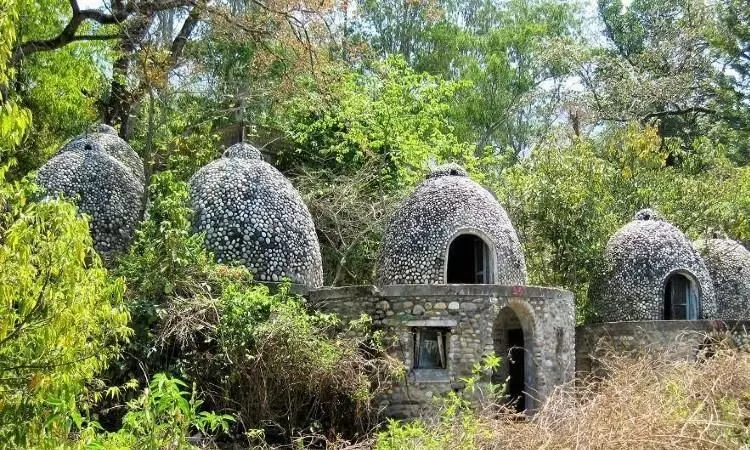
111 144
102 186
252 215
675 340
728 263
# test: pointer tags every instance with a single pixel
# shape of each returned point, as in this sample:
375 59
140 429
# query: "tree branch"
121 13
179 42
68 34
677 112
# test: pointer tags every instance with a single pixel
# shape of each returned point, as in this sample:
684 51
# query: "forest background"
575 115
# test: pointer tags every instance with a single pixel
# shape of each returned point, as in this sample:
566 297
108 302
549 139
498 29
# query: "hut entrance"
680 298
510 345
468 261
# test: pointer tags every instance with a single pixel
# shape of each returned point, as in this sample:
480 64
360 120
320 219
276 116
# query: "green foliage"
391 117
164 252
176 133
500 53
59 88
14 119
676 65
458 426
166 260
162 417
61 315
284 369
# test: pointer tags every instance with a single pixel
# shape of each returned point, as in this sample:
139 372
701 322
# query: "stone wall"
675 339
469 314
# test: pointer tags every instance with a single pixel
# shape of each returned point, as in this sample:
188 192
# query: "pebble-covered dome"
639 259
728 263
447 204
112 144
243 150
252 215
102 187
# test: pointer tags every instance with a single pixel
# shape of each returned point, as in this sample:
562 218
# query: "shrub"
166 260
160 418
281 368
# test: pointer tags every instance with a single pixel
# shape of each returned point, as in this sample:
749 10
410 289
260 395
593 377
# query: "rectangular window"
430 348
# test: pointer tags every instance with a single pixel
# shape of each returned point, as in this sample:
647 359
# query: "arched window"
469 261
680 298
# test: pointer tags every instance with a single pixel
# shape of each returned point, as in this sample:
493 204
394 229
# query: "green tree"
391 117
61 315
673 65
14 119
507 54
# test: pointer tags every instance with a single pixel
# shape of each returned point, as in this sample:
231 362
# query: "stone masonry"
469 312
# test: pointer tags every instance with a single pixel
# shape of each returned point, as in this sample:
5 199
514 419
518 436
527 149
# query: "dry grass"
642 402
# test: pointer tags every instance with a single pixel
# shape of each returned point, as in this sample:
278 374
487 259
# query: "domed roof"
112 144
243 150
415 244
639 260
102 128
102 187
252 215
728 263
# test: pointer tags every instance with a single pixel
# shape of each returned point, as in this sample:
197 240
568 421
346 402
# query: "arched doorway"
680 298
469 261
509 342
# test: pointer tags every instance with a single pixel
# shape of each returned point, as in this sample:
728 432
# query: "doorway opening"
469 261
680 298
510 345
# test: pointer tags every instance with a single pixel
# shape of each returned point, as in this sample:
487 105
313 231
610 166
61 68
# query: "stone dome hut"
728 262
109 142
252 215
450 230
103 185
652 272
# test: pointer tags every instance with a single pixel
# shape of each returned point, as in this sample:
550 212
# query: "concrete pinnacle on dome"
449 169
647 214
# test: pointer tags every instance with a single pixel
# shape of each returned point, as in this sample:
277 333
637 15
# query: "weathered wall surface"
728 263
675 339
469 312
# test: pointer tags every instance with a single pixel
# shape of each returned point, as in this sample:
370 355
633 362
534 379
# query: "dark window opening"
468 261
430 348
680 299
516 373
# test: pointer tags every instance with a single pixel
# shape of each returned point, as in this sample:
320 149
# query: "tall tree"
505 51
661 66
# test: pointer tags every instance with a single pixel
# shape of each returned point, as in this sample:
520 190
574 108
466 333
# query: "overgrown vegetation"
574 115
647 401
